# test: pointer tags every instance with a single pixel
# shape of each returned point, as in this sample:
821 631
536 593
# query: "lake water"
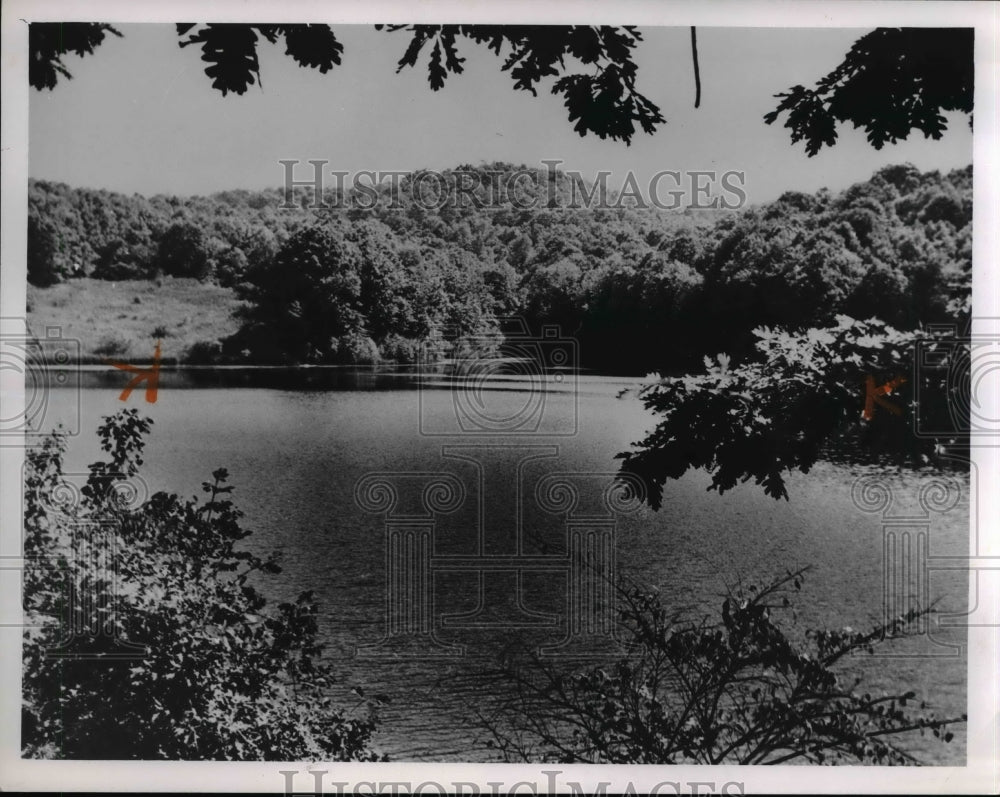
295 449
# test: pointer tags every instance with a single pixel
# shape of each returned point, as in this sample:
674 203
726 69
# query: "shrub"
214 672
397 349
230 266
357 349
121 259
204 352
469 350
120 270
112 346
735 691
255 343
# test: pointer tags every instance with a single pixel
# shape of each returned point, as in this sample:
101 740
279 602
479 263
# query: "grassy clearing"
123 320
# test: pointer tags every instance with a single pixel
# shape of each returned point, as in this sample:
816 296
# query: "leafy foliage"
891 82
231 50
308 297
602 100
43 247
629 283
181 251
775 413
113 236
334 293
48 42
733 690
213 671
896 247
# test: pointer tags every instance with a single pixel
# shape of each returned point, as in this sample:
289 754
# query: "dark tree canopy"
892 81
231 50
50 41
639 289
602 99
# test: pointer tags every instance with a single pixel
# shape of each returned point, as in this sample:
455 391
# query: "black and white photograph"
430 398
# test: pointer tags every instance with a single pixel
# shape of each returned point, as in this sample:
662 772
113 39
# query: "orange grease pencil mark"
151 376
874 395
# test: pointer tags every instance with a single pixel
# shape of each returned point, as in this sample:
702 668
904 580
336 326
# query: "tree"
231 50
891 81
738 689
230 265
602 99
634 317
305 300
381 296
629 284
775 413
183 251
43 247
198 665
50 41
118 260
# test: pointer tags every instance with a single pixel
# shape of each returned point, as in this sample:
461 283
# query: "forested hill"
640 289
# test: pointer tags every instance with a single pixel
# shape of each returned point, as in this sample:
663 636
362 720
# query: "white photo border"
980 775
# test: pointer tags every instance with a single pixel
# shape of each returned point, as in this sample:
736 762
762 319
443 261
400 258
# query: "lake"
297 444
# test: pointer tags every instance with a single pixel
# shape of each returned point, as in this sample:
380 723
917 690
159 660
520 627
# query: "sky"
140 116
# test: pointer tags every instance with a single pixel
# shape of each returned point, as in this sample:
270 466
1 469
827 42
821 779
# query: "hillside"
123 320
638 289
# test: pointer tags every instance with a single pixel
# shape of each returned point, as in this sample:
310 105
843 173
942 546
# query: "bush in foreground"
177 656
736 690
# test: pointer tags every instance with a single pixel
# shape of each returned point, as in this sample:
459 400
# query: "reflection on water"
297 442
500 375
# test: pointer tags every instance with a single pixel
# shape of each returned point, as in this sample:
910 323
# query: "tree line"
641 290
